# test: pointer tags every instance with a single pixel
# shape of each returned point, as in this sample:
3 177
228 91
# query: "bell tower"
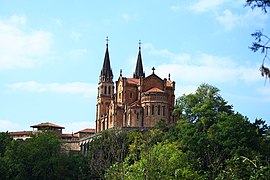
105 92
139 73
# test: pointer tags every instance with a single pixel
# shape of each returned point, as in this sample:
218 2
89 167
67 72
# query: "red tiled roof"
68 136
136 103
47 124
133 81
87 130
155 90
20 133
168 83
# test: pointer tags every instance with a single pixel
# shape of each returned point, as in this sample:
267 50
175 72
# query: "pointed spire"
139 66
106 71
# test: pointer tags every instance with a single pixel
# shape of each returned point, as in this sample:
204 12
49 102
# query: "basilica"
134 102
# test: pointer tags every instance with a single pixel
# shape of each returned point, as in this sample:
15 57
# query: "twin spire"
106 74
139 66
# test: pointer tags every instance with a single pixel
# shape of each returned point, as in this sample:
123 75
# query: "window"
137 116
163 110
153 109
105 89
146 108
119 95
158 109
109 89
130 95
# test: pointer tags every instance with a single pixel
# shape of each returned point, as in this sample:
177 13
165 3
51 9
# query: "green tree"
262 41
5 140
210 132
40 157
107 148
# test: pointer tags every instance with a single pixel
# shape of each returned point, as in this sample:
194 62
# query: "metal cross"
107 39
153 70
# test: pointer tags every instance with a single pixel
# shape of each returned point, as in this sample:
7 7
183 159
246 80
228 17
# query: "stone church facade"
138 101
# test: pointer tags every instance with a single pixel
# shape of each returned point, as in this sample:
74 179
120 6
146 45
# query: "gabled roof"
154 89
136 103
47 124
87 130
20 133
132 81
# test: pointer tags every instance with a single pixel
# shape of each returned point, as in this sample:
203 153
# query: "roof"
139 66
169 83
20 133
87 130
132 81
68 136
155 90
106 71
47 124
136 103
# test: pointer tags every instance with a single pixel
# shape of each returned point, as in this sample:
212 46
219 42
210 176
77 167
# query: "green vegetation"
210 141
262 41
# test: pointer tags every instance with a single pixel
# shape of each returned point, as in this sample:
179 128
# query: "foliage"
109 147
261 42
210 141
263 4
40 157
5 140
211 133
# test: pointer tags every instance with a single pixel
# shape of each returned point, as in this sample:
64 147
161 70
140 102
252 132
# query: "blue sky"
51 54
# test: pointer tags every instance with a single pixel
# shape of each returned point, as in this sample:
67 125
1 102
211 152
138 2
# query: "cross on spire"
153 69
140 44
107 40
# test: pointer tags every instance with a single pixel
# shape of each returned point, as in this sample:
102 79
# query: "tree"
39 157
262 41
152 157
5 140
211 133
107 148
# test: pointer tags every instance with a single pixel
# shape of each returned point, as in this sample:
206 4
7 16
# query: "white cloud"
75 35
179 58
129 17
78 53
17 19
85 89
207 5
57 21
203 67
6 125
175 8
251 18
20 48
77 126
265 92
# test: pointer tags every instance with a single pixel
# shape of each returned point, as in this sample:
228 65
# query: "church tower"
139 67
105 92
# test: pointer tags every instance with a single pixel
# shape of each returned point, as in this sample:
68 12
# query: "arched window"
105 89
109 90
153 109
164 112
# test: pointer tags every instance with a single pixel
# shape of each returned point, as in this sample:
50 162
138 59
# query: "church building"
136 102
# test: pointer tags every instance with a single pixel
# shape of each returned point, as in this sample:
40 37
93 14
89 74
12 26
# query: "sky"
51 54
